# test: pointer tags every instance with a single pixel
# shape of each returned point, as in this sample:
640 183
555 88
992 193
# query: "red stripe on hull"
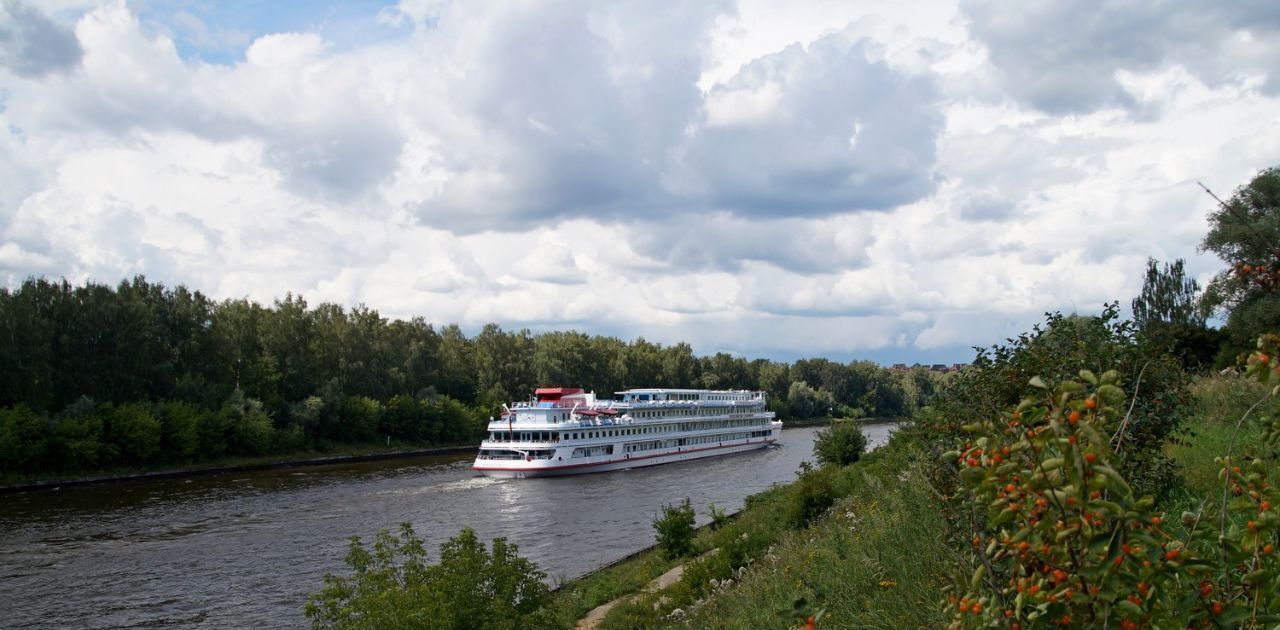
542 469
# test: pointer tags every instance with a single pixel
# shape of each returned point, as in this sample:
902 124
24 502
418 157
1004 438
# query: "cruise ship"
567 431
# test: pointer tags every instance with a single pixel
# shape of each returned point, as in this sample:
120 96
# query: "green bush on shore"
840 444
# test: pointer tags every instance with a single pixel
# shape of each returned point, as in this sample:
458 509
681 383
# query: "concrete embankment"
218 470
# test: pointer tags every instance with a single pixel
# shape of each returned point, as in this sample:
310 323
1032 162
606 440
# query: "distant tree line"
95 377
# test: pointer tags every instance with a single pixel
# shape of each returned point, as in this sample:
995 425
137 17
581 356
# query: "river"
245 549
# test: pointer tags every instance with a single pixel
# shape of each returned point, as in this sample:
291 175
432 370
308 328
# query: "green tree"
1168 297
1244 232
1168 314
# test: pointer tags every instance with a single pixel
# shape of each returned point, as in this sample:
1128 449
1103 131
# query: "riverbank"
310 459
879 557
824 421
881 534
236 465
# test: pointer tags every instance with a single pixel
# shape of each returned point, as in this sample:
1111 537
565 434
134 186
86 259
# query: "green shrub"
1056 351
1060 536
717 515
394 586
23 440
675 529
812 494
840 444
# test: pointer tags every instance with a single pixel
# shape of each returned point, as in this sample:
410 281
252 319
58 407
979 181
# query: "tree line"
98 377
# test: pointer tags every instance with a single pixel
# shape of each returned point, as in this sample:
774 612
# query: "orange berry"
1073 417
1091 403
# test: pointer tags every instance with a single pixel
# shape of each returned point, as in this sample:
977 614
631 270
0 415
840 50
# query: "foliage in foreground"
393 586
1058 351
1060 537
840 444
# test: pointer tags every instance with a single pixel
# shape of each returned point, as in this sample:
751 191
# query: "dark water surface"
245 549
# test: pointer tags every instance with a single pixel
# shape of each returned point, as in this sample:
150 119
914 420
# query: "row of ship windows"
702 439
700 411
664 413
553 436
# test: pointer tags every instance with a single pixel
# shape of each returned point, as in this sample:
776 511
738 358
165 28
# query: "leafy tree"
840 444
804 402
674 529
1244 232
393 585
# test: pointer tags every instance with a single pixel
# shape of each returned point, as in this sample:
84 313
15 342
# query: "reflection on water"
245 549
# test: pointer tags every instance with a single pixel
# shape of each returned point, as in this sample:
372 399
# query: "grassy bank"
878 558
874 559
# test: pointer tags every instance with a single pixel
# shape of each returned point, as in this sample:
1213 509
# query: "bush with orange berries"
1058 536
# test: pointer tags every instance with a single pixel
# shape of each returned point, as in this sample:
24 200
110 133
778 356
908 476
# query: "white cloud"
882 179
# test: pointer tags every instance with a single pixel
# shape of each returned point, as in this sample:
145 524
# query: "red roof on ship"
552 394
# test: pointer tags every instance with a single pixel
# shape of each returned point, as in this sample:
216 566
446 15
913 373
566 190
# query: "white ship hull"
568 432
549 468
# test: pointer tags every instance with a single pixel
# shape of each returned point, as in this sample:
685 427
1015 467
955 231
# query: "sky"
897 181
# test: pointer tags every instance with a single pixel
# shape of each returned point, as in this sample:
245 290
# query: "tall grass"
1220 403
880 556
876 559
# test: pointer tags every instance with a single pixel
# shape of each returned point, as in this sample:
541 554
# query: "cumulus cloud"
724 242
843 133
892 182
320 126
565 110
32 45
1063 56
